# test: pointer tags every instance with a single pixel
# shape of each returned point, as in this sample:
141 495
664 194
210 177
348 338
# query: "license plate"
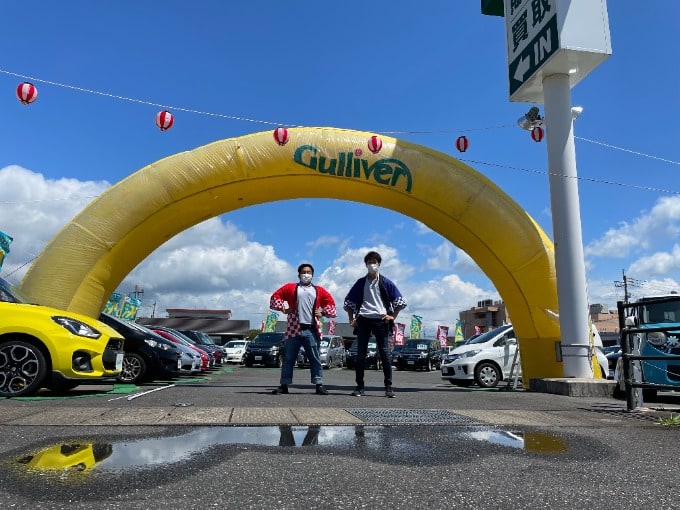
411 362
445 371
119 361
258 358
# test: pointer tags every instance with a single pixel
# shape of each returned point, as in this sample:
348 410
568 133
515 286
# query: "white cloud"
657 264
441 258
34 209
648 230
217 265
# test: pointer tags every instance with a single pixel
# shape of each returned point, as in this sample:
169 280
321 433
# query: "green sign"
533 55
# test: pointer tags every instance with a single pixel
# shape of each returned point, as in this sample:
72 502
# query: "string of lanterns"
27 93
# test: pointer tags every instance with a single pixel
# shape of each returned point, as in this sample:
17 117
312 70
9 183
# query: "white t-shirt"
306 295
372 306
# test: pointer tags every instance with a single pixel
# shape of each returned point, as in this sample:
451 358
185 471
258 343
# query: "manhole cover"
429 416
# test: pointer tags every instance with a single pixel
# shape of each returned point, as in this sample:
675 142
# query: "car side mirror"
631 321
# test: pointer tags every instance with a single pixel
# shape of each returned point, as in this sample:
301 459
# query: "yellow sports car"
42 346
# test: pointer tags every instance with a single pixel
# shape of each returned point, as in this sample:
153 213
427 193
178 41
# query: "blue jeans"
380 330
307 340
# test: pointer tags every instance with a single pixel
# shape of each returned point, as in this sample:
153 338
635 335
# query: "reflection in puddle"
536 442
393 442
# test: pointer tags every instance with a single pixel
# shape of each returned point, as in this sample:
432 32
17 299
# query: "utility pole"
137 292
153 309
632 282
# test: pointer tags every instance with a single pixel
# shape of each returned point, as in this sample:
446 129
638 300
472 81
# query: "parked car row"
43 347
267 349
161 352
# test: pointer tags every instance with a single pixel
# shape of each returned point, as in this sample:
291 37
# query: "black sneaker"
358 392
388 392
283 389
320 390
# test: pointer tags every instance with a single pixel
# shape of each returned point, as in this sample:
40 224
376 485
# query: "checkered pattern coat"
288 294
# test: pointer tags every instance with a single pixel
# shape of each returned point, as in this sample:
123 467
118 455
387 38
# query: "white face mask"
306 279
372 268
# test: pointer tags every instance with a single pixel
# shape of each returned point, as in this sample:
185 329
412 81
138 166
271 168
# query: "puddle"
389 444
535 442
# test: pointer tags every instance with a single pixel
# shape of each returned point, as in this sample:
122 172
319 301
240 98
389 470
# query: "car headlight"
76 327
470 354
154 343
423 355
656 338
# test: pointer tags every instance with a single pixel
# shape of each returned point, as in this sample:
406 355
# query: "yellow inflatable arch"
86 261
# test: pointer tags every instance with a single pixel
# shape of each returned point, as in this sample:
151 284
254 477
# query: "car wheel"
249 363
429 365
487 375
329 365
134 369
378 364
22 368
278 362
461 382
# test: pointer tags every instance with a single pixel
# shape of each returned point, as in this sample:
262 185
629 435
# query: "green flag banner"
416 326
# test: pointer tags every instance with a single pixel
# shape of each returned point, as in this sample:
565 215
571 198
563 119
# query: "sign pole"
565 206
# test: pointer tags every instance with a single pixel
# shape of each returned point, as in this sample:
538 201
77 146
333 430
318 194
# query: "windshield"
234 345
489 335
416 343
205 338
268 338
372 345
10 294
656 313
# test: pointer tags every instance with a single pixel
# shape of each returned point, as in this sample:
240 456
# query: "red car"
177 337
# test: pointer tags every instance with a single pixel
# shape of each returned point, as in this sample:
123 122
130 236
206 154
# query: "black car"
372 357
420 353
265 349
396 354
148 356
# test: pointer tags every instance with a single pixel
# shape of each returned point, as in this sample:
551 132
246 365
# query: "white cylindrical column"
569 261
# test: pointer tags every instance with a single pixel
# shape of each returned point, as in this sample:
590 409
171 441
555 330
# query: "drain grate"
408 416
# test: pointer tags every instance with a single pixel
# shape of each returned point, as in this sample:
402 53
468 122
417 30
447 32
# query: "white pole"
569 262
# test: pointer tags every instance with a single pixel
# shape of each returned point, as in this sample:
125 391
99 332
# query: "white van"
485 359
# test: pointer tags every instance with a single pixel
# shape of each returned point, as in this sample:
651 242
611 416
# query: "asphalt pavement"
224 440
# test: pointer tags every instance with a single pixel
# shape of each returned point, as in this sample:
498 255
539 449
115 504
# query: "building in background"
487 315
216 323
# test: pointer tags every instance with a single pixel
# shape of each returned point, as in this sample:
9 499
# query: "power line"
259 121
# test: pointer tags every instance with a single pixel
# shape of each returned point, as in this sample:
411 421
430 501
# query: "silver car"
331 352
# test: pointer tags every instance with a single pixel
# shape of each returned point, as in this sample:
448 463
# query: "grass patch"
671 421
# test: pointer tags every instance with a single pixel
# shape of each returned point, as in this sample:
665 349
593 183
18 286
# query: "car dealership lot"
568 442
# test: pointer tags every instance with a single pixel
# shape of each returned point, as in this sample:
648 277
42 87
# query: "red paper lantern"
281 135
374 144
164 120
462 143
537 134
27 93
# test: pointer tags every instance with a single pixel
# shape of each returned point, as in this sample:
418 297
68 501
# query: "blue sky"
426 75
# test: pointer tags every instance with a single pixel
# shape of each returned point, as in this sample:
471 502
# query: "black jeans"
380 329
